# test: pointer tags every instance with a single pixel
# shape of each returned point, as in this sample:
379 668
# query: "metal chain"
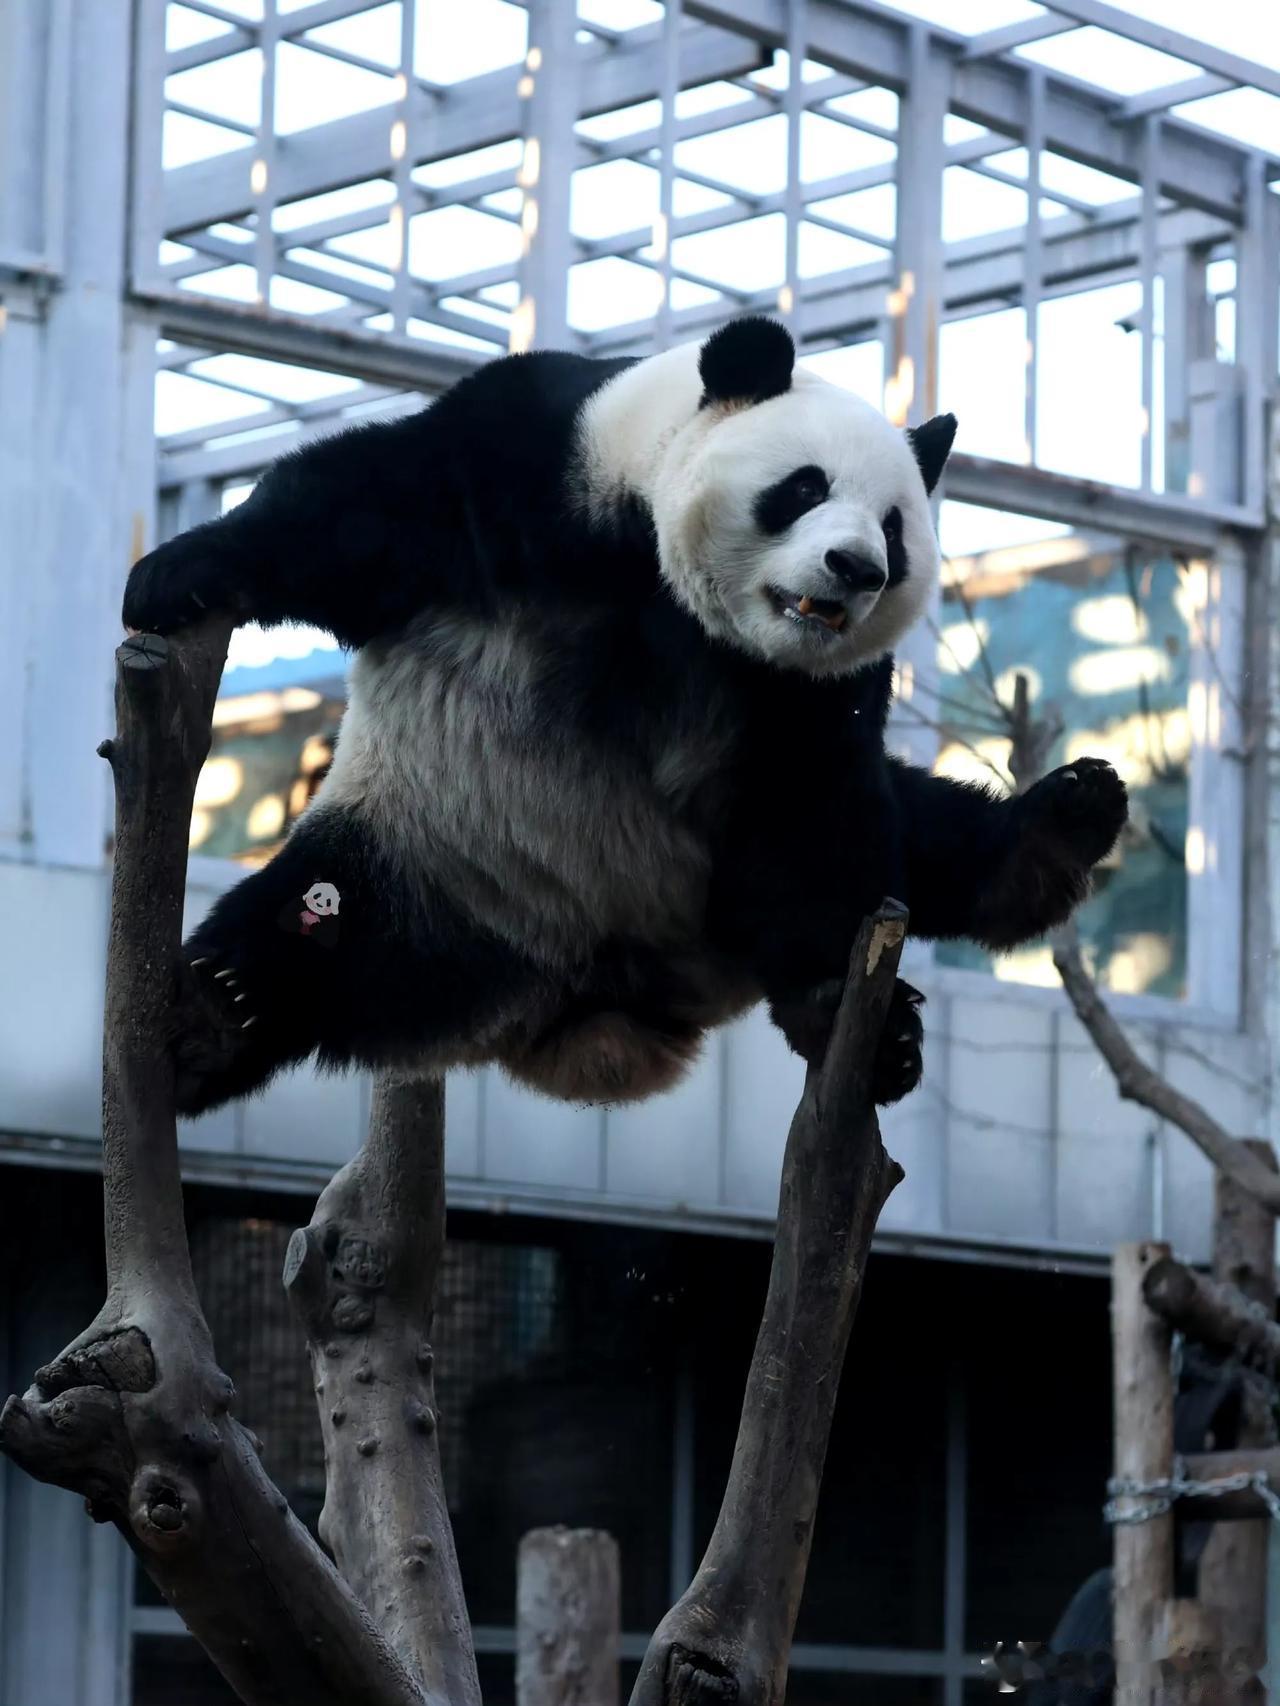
1180 1485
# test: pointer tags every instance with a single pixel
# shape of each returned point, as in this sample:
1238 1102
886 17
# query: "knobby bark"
729 1636
362 1277
135 1414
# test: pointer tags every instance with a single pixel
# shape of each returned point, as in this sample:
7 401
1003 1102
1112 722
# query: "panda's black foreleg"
1004 871
333 535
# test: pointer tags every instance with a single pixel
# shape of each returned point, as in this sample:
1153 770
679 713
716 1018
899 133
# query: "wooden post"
1143 1453
568 1618
1233 1569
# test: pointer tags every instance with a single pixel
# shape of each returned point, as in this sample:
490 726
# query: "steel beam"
1170 521
1173 95
245 330
470 115
1233 66
549 90
864 42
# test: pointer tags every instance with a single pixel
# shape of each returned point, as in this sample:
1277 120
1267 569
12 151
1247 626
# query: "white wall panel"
307 1116
669 1150
763 1082
531 1140
463 1109
999 1149
52 964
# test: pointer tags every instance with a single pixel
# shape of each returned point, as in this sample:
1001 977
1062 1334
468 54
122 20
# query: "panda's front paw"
1082 808
169 589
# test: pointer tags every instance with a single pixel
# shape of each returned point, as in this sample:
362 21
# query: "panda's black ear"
746 361
931 445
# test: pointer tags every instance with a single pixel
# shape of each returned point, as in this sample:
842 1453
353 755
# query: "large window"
1101 633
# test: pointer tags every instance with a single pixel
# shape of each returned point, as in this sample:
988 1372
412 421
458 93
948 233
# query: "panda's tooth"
805 605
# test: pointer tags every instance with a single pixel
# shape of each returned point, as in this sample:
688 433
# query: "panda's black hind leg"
221 1046
245 994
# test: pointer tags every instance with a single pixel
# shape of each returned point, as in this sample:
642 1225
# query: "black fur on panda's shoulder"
453 506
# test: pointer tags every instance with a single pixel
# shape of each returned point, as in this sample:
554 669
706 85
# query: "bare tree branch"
134 1415
1136 1081
729 1637
362 1277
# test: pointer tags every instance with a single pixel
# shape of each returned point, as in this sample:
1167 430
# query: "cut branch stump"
729 1636
1143 1379
1233 1569
568 1618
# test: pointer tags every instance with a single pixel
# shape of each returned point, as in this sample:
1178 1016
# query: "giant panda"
613 765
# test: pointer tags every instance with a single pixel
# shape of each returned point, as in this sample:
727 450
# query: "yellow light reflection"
960 645
219 782
266 817
1112 620
1028 965
1135 967
1099 673
985 760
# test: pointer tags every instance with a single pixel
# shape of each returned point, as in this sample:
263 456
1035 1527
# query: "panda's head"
793 520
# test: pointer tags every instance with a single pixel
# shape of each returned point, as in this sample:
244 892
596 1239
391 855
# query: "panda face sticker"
322 899
800 529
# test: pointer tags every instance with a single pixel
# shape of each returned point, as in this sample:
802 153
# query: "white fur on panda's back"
447 753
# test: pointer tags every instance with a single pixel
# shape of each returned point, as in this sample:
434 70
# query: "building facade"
225 227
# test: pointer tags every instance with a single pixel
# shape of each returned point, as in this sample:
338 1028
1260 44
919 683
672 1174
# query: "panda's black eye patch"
781 504
895 550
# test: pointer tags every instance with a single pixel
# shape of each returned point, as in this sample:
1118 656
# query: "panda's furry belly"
452 755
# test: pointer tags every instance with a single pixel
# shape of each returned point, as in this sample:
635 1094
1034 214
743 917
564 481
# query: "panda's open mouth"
806 612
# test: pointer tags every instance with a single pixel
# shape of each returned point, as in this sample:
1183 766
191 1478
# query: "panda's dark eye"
894 548
780 505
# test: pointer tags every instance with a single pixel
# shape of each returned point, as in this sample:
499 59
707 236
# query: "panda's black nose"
859 573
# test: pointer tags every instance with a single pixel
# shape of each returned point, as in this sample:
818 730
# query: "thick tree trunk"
729 1637
135 1414
363 1279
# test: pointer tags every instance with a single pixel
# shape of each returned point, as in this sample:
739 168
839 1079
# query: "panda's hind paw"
213 1025
806 1020
900 1057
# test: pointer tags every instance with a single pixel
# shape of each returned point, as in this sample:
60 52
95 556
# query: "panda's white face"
793 520
800 530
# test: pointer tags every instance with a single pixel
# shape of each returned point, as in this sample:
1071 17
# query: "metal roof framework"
399 316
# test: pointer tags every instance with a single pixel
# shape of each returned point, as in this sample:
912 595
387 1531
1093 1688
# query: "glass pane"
1101 634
